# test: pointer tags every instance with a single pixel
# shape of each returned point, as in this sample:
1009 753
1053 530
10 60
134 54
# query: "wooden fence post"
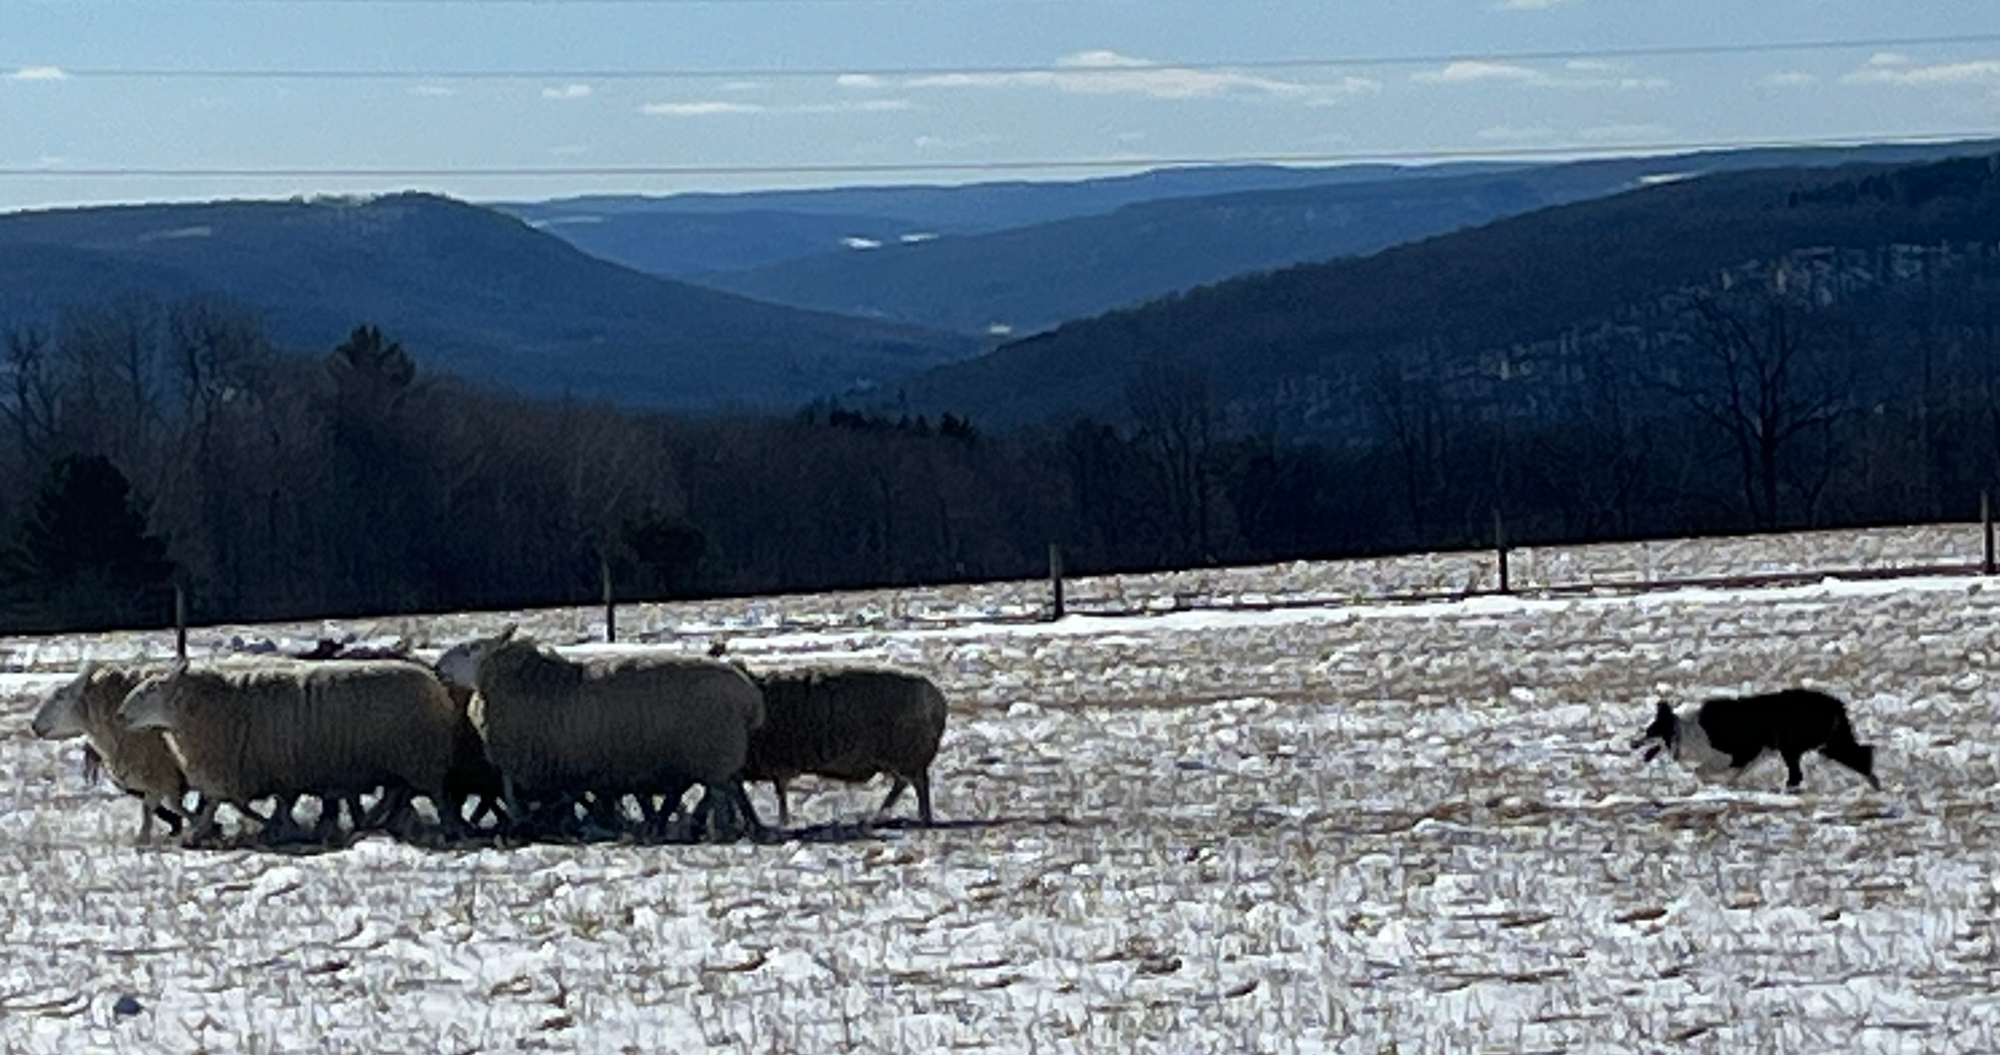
1500 547
1986 525
1055 581
180 622
610 607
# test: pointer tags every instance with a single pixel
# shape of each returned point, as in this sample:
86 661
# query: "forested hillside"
485 295
1764 351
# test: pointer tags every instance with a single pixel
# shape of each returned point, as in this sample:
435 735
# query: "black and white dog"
1727 734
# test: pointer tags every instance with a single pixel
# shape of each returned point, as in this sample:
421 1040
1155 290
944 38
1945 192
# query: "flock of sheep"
500 734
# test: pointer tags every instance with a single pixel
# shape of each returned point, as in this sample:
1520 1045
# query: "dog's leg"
1794 776
1857 757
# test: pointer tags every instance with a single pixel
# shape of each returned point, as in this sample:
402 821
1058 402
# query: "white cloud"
1787 79
866 106
860 80
567 91
700 108
719 107
1593 66
934 142
1101 72
1475 71
1471 71
38 73
1897 70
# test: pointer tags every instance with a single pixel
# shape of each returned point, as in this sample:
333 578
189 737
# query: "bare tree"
1759 381
34 392
114 353
1413 415
1175 411
214 349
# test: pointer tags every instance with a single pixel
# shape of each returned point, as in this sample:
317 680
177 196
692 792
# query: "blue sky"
1016 81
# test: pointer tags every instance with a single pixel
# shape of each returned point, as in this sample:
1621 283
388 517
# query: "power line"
1579 151
1123 66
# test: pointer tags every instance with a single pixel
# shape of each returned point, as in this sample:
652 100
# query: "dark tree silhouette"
82 555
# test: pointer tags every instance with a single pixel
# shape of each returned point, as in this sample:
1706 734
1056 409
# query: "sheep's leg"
741 795
895 793
204 826
284 822
328 824
511 800
606 812
451 814
784 806
922 781
737 799
394 811
146 807
652 816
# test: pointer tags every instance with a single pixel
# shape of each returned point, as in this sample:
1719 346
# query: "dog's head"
1662 735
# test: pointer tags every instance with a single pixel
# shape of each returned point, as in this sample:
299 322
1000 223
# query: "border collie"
1726 734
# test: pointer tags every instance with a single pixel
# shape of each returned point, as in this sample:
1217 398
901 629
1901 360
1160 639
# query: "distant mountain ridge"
700 234
1277 346
1018 258
467 290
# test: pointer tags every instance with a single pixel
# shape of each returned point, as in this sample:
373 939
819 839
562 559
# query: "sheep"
471 775
331 728
629 724
848 723
140 762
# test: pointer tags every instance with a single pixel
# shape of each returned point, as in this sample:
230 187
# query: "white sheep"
139 761
287 728
848 723
611 726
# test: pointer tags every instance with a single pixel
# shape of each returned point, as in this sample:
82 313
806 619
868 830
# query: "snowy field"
1352 828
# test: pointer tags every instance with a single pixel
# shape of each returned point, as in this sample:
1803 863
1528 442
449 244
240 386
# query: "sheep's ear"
1665 710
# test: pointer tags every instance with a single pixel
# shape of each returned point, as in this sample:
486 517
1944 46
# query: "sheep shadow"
436 838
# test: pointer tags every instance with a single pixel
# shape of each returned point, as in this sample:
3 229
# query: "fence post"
1986 525
180 622
1055 581
610 607
1500 547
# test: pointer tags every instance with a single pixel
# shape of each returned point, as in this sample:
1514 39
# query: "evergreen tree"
82 555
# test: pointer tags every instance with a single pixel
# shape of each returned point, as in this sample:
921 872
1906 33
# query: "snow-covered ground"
1313 829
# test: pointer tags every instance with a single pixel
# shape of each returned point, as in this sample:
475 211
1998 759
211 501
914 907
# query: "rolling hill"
467 290
1027 279
680 235
1521 279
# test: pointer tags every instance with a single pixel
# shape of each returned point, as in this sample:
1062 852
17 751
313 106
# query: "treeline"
151 443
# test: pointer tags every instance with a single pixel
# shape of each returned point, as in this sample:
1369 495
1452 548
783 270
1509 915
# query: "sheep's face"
150 703
461 663
61 715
